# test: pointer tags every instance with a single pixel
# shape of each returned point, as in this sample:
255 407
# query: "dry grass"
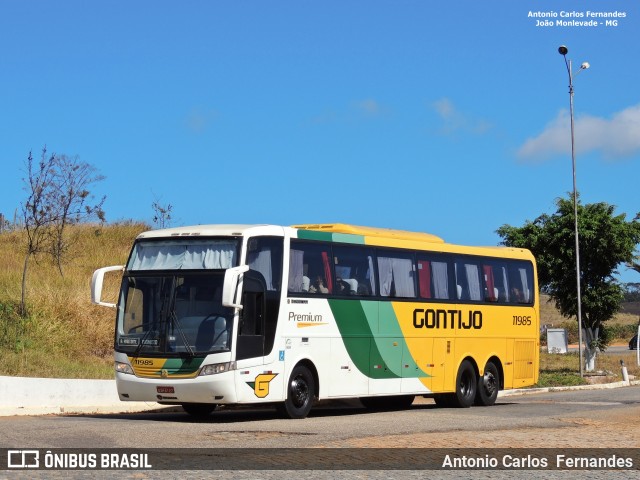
549 315
64 335
563 369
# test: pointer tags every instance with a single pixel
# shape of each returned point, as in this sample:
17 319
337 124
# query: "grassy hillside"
623 326
65 336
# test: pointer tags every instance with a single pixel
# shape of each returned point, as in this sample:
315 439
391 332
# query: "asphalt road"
559 420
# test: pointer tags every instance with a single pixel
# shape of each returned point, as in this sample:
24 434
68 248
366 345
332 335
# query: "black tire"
488 386
394 402
199 410
466 386
301 393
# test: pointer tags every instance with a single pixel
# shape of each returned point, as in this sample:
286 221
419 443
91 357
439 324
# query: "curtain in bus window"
370 276
424 277
296 258
491 294
506 283
173 256
525 284
440 280
397 272
385 275
403 277
473 281
261 262
327 271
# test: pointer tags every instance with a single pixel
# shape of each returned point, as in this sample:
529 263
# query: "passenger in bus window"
517 296
342 287
363 289
318 286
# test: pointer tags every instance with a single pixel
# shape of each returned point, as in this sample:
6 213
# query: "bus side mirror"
230 287
96 285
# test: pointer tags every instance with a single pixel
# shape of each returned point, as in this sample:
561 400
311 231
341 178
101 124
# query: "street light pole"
563 51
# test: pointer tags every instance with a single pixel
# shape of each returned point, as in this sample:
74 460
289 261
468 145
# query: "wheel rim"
490 383
299 391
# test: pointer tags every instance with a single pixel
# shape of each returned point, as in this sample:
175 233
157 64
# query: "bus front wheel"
301 393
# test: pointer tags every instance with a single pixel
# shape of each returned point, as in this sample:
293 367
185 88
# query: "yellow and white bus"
239 314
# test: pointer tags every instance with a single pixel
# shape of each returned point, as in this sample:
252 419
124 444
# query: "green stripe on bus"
177 366
377 350
391 343
330 237
313 235
345 238
356 322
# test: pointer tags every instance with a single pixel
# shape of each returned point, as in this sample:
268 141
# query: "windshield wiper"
142 340
176 321
163 315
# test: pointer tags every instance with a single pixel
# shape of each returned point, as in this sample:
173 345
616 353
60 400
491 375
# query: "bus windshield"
165 313
184 254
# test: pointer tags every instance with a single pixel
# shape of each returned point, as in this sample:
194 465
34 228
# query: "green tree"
634 264
606 241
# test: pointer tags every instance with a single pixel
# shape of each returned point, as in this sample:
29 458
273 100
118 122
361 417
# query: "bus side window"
495 282
521 283
354 270
310 268
265 256
396 274
468 281
433 277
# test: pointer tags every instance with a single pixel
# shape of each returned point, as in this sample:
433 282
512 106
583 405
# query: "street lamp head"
585 65
562 50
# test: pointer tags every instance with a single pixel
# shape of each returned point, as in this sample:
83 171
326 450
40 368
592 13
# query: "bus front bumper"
218 389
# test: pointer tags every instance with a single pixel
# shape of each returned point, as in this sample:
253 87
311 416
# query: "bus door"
439 361
252 382
251 321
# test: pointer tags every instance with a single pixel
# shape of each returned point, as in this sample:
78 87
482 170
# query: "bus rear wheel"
301 393
466 386
488 386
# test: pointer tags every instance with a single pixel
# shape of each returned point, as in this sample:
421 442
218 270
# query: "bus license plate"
165 390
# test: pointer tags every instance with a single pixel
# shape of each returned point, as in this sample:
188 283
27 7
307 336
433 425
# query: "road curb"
597 386
43 396
57 396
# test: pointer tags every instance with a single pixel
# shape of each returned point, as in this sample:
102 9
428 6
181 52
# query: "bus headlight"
217 368
124 368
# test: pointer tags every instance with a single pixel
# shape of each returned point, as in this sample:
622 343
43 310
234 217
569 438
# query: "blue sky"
444 117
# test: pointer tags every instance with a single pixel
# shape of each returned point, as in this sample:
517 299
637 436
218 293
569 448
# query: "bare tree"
71 201
57 196
36 211
161 213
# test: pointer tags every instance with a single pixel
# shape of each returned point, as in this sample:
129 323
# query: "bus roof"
372 232
235 230
340 232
